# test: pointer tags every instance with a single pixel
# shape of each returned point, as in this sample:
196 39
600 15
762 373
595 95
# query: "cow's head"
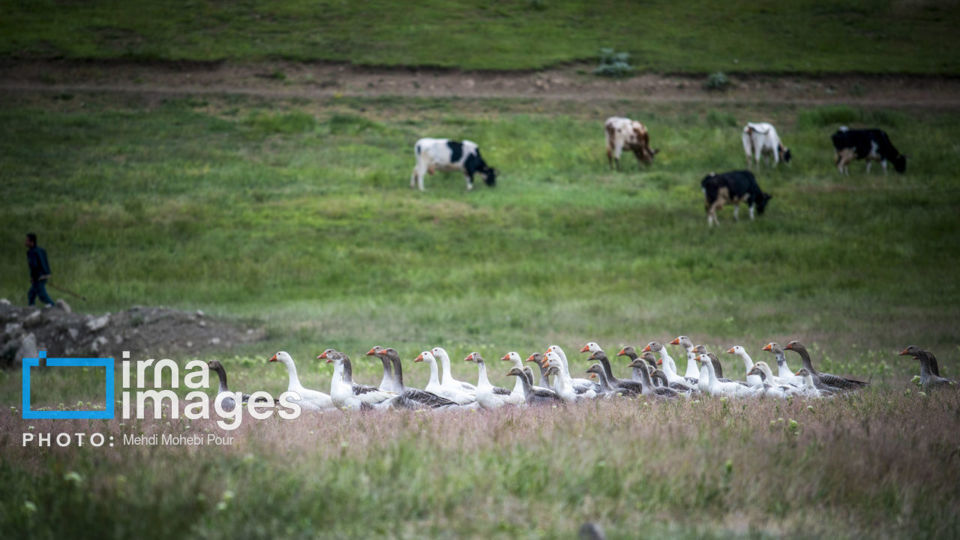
489 175
785 155
762 202
900 163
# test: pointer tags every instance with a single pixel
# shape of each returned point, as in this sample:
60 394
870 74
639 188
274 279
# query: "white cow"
447 155
761 138
623 133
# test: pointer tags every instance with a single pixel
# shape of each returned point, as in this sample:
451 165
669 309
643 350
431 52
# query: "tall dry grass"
884 462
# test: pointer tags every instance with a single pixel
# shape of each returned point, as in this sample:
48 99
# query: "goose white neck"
337 382
483 381
434 379
294 383
445 376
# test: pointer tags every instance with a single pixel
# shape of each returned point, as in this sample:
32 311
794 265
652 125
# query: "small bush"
717 81
613 64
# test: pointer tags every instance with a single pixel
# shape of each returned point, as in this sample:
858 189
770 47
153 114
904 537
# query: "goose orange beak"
530 358
622 352
322 355
469 358
730 350
768 347
505 357
904 353
676 341
272 358
419 358
593 375
660 362
372 352
647 349
789 347
797 373
584 348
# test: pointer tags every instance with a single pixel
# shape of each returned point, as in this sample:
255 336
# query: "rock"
200 313
4 302
98 343
28 349
215 341
118 339
73 333
98 323
12 329
62 304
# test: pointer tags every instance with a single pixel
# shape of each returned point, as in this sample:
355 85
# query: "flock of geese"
654 374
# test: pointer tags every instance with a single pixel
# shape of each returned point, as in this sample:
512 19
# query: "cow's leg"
609 157
712 213
751 212
869 163
469 179
617 152
422 171
736 211
883 164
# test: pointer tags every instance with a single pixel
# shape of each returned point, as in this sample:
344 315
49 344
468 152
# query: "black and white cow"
735 187
869 144
447 155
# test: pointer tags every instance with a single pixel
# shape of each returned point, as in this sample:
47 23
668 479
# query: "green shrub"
613 63
717 81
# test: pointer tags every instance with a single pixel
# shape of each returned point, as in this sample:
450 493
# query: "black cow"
869 144
735 187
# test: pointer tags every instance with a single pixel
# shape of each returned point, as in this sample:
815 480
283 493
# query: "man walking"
39 271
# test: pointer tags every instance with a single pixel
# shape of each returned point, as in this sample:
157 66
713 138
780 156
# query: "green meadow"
808 36
297 216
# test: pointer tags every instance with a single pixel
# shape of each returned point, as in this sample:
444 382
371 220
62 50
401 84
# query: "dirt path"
575 83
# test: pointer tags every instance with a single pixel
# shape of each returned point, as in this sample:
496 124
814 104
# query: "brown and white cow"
626 133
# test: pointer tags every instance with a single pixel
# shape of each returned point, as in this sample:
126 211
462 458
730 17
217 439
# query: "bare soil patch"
157 330
575 83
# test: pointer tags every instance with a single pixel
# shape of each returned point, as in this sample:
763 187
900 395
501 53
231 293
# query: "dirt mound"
149 330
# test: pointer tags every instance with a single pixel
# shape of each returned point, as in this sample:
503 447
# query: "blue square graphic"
107 413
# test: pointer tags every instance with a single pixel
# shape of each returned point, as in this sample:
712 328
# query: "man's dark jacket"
37 259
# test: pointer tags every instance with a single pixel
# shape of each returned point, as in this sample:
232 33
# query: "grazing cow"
735 187
447 155
761 138
869 144
626 133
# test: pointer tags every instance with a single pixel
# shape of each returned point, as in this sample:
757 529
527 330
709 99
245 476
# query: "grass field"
298 215
810 36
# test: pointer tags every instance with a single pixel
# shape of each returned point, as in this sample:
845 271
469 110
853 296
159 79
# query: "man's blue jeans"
39 288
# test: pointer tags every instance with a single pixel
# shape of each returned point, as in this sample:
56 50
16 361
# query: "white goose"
580 385
562 385
388 382
709 384
669 369
783 370
347 395
488 395
456 395
516 396
693 372
752 380
310 400
446 376
768 377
